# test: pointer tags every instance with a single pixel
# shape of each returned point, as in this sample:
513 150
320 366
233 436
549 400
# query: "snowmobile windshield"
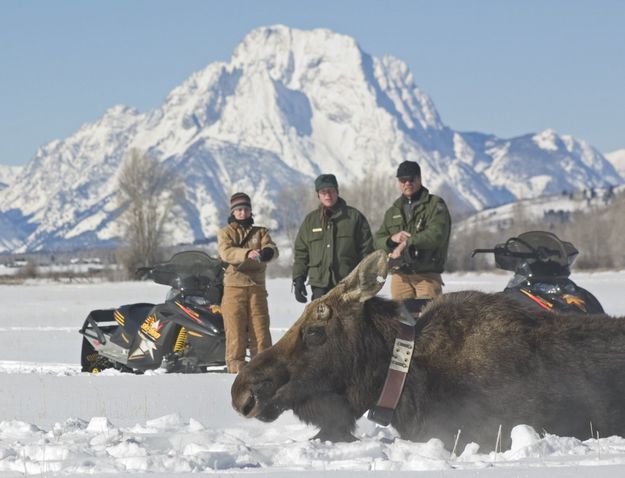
188 270
546 247
543 251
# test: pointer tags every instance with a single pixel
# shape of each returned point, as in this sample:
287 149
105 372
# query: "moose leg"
332 414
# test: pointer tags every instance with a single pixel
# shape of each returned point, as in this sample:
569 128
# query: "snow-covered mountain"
289 105
617 158
8 175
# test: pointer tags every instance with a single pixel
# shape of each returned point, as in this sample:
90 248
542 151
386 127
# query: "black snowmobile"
184 334
541 264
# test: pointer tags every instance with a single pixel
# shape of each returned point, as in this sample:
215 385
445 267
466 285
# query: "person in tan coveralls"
247 249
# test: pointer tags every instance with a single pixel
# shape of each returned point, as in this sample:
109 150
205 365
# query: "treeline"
149 190
598 234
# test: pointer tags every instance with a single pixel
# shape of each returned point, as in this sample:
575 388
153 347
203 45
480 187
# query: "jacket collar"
421 196
337 210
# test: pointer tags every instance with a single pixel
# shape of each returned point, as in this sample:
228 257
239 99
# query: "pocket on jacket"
316 251
395 225
347 247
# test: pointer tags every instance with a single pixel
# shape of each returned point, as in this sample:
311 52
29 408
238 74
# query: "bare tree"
598 234
295 202
148 190
372 196
462 244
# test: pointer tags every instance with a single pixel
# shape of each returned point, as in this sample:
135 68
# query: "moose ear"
366 280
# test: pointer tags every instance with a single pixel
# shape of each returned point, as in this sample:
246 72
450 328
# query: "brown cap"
240 200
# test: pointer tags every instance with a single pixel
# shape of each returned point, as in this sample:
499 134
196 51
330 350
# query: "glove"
266 254
407 257
299 289
411 253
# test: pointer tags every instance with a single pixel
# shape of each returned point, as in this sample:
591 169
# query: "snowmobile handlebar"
482 251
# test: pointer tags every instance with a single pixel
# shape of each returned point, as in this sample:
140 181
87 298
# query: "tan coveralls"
244 303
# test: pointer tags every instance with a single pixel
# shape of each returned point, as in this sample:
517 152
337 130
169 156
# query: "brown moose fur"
482 360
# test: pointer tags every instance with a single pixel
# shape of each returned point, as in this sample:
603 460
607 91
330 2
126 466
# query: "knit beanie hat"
240 200
326 181
407 169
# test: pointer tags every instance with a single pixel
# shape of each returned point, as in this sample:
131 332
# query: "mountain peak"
290 104
277 47
548 140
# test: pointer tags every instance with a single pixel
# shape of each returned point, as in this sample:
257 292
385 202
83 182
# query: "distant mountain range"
617 158
289 105
550 209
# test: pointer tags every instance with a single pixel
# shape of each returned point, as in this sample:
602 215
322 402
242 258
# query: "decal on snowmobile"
194 315
575 300
119 317
151 327
215 309
542 302
146 346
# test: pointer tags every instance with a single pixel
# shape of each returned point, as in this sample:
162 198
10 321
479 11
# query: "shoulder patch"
317 229
396 216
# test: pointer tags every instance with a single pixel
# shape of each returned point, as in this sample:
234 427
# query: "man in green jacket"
331 241
415 233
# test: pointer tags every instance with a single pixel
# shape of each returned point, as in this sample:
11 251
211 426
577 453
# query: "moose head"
312 370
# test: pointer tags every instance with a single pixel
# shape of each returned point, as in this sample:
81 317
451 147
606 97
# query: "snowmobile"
541 264
184 334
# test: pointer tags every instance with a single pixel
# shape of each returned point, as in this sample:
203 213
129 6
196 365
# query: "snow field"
56 420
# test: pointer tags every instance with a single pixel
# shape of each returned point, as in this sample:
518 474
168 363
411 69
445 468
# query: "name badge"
317 229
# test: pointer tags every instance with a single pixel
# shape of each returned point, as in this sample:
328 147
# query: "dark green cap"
326 181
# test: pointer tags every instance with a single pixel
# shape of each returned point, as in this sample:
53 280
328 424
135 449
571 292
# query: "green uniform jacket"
327 255
429 226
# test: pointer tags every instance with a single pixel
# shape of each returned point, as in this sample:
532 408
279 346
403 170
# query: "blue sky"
502 67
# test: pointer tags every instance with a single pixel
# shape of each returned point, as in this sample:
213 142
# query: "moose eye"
314 336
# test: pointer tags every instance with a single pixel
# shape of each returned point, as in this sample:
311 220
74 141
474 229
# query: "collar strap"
398 369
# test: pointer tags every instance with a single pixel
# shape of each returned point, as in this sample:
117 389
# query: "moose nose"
244 402
247 398
249 402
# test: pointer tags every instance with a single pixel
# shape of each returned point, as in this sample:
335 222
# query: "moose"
480 362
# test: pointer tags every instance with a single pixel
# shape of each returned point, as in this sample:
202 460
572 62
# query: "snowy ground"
56 420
